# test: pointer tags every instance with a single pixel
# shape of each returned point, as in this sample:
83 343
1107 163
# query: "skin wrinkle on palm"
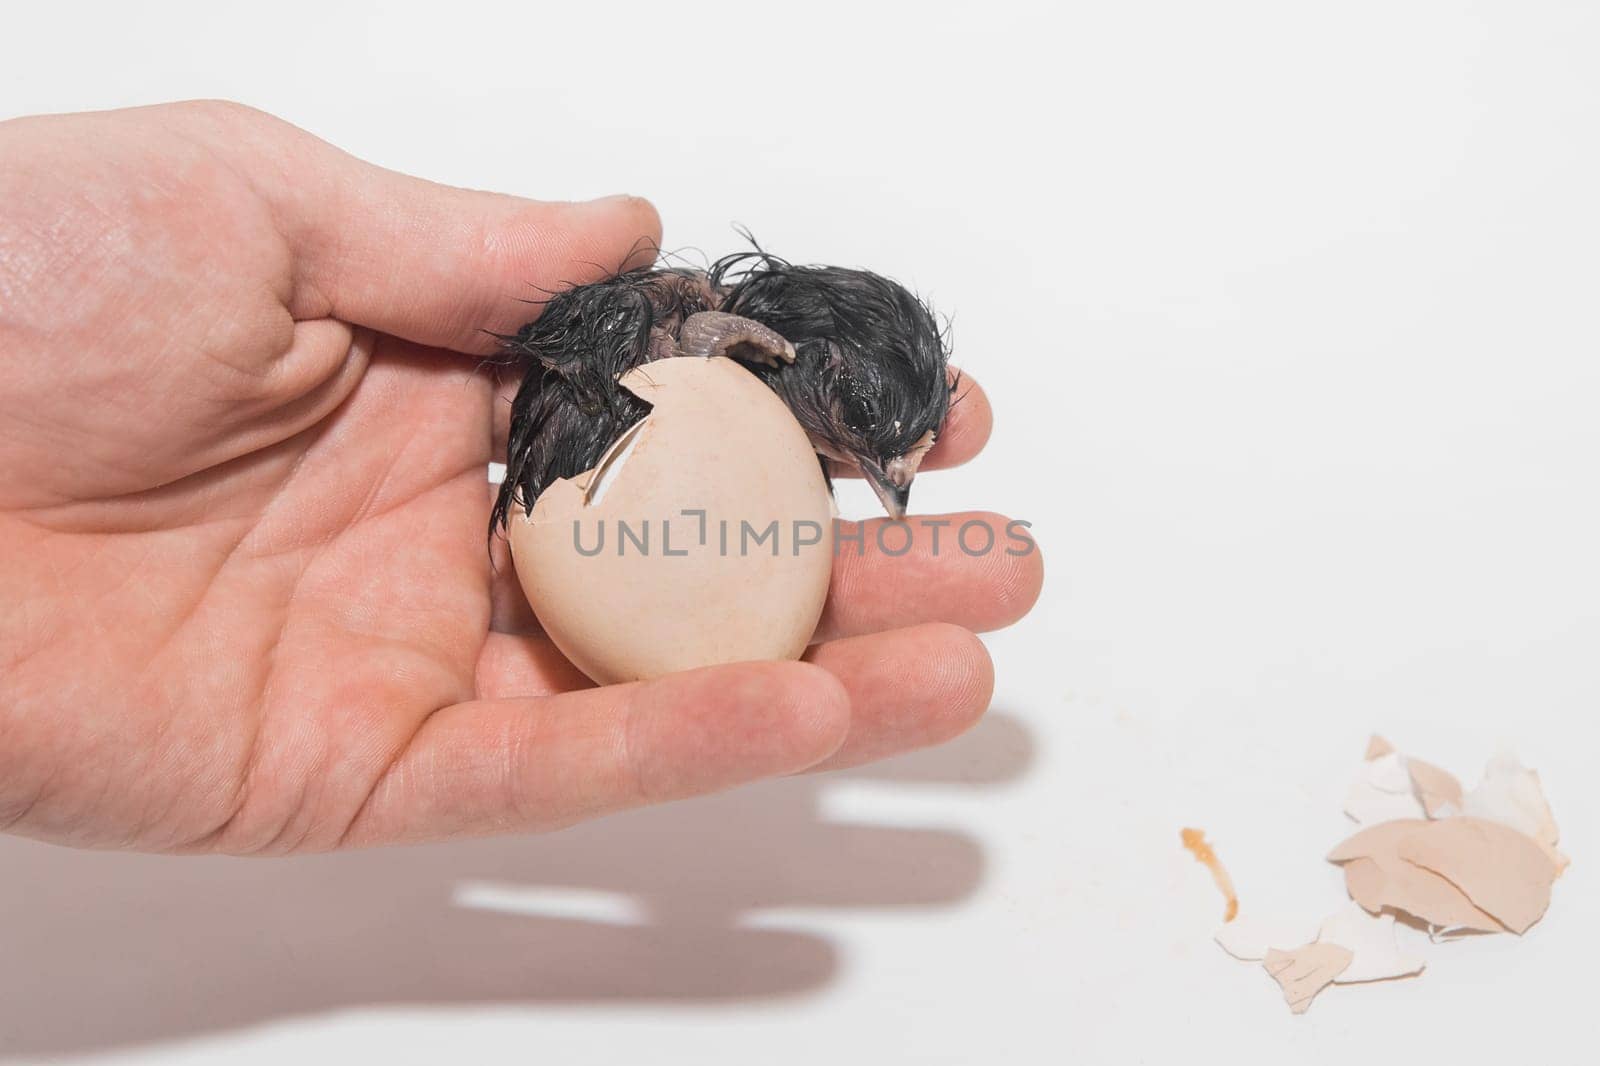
329 664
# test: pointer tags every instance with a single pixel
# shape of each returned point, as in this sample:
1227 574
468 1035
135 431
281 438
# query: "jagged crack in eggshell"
701 591
1377 877
1503 872
1305 971
1370 939
1391 883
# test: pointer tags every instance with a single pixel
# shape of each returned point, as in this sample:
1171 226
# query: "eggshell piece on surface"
1377 877
1511 794
1503 872
1305 971
1250 936
1438 789
1382 791
1374 839
1461 862
1370 939
703 537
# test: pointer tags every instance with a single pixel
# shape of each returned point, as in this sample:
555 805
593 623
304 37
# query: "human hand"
245 604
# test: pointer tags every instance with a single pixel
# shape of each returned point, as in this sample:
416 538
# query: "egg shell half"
629 586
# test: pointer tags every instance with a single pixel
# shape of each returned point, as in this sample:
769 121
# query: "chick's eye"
860 412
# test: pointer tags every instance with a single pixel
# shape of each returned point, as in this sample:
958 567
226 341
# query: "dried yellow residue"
1195 841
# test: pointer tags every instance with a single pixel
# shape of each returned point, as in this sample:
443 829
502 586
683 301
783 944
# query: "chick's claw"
709 333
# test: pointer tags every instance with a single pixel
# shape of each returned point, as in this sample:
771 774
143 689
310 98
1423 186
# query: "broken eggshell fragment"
1462 862
1377 877
1250 936
1503 872
703 537
1453 873
1511 794
1370 939
1382 791
1438 790
1305 971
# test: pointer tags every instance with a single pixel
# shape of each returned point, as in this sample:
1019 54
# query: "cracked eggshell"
701 591
1250 936
1503 872
1438 790
1382 791
1510 794
1377 876
1370 939
1305 971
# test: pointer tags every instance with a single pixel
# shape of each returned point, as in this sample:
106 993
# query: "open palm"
245 602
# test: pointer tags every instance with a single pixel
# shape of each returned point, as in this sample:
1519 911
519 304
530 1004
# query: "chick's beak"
893 486
892 480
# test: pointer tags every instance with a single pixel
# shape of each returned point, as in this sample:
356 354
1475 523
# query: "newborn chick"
857 358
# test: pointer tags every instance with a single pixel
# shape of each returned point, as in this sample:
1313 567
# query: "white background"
1288 314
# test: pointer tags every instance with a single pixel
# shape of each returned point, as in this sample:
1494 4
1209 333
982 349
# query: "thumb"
434 264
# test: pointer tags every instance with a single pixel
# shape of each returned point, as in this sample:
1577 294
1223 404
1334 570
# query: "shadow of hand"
661 904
